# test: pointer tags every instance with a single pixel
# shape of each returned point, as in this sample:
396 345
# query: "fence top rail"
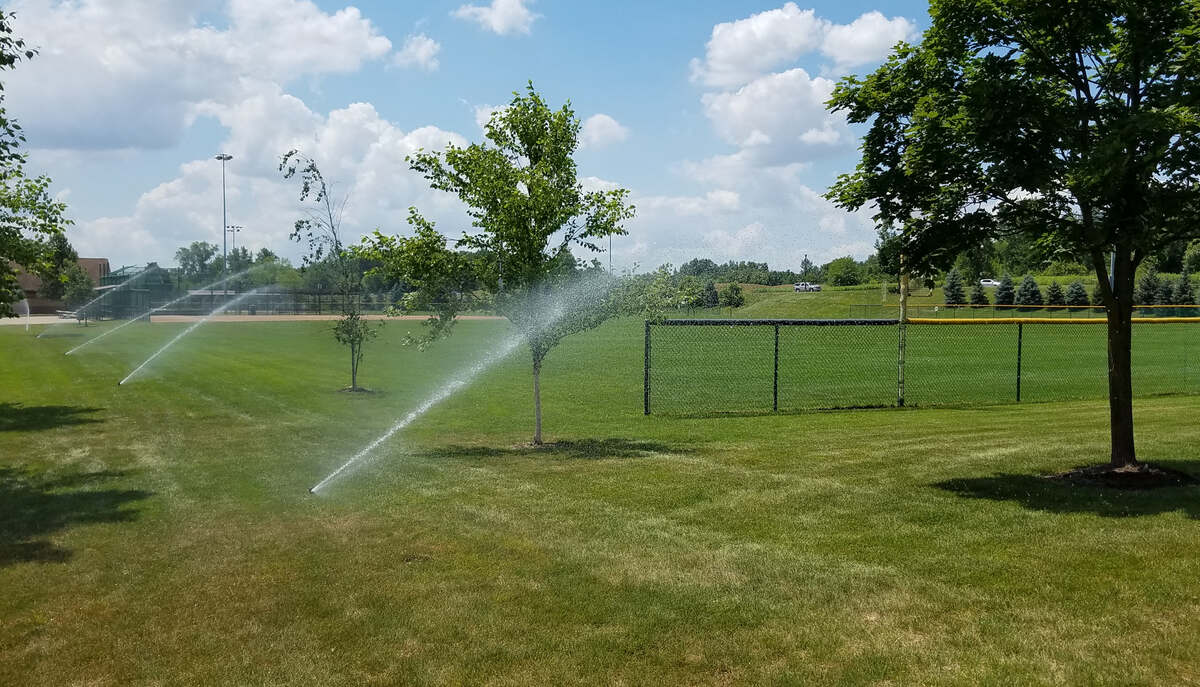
1005 306
1046 320
716 322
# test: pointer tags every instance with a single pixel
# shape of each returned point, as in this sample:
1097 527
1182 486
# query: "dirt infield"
33 319
298 318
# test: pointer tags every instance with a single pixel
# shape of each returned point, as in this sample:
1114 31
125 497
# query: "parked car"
989 282
805 286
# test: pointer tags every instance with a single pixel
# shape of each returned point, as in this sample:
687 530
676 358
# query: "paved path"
33 319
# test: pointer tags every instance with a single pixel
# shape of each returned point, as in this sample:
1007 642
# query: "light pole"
224 157
233 229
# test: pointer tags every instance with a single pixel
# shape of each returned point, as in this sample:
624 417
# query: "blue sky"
710 112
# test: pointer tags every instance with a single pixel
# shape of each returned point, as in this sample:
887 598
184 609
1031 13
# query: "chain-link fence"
715 366
269 303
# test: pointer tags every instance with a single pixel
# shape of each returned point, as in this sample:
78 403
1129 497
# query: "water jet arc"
151 311
447 390
187 331
92 302
547 314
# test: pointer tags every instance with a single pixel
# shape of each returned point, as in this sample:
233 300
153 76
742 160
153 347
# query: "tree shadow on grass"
575 449
16 417
31 509
1040 492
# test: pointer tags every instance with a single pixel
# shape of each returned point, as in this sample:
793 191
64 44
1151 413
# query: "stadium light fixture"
224 157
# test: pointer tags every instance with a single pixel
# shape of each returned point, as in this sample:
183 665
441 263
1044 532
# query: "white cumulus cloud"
601 130
741 51
360 153
866 39
503 17
419 51
483 114
777 117
116 78
113 76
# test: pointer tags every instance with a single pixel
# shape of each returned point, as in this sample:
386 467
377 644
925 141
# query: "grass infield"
161 532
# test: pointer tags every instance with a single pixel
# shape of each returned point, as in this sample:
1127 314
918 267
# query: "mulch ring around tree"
1137 476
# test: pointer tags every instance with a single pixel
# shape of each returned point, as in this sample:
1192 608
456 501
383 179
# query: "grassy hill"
872 302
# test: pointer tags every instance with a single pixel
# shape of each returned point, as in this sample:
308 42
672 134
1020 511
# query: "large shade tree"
529 211
1076 125
29 214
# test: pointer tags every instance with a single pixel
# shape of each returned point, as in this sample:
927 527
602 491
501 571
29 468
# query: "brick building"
97 269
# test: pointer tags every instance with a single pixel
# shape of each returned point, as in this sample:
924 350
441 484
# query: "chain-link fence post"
902 334
775 383
1020 337
646 373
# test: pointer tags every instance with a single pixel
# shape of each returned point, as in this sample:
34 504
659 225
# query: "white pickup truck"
805 286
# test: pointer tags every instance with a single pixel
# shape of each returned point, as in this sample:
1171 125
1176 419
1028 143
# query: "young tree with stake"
321 231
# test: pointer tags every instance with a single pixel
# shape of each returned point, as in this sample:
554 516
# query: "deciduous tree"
60 257
529 210
444 282
1079 129
29 215
321 231
197 261
732 297
77 292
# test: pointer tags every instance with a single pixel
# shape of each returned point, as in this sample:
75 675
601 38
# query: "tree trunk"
537 402
1120 359
353 368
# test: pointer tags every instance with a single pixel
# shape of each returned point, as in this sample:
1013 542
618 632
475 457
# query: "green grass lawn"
162 533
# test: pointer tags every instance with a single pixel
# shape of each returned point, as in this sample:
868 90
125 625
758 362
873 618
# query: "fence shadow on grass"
575 449
15 417
33 508
1038 492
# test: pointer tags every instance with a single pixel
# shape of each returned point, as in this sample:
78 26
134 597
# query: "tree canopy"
29 214
1075 128
528 210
